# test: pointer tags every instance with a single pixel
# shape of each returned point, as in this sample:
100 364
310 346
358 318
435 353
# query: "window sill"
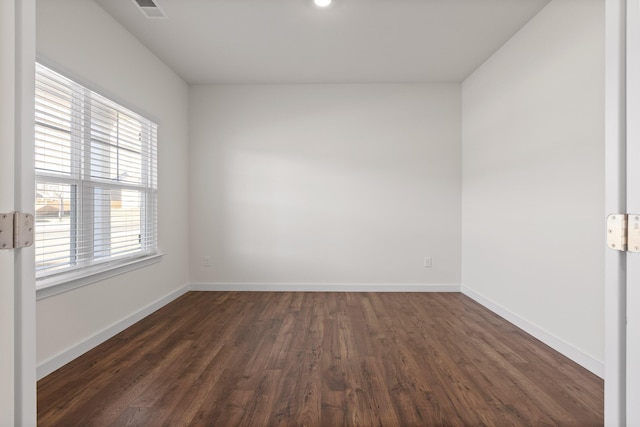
54 285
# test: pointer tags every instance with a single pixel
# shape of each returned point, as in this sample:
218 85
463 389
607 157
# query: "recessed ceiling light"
322 3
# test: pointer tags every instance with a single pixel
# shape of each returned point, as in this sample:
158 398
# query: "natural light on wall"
96 178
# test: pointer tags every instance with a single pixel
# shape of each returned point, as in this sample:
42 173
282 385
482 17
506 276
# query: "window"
96 179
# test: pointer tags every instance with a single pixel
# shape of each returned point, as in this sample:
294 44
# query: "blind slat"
104 209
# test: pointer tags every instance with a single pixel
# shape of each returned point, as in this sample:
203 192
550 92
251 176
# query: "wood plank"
321 359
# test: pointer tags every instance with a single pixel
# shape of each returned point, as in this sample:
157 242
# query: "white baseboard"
562 347
68 355
324 287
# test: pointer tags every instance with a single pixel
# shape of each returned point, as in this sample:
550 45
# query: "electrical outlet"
427 262
206 260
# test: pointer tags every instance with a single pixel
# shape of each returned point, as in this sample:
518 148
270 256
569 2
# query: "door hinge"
16 230
623 232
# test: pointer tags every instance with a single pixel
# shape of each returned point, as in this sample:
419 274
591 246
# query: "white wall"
325 184
533 178
86 42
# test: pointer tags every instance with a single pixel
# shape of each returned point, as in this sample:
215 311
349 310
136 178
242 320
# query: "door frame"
7 174
632 371
18 77
621 67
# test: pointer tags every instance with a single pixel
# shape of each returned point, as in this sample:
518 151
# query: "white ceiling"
352 41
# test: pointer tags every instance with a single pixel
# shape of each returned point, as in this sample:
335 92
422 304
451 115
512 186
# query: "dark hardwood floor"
321 359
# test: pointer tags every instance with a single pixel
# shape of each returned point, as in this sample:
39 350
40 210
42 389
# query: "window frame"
86 267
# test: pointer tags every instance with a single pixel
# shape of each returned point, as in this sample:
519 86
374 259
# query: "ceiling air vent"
150 9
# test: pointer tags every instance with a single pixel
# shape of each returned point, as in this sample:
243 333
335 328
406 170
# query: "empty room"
346 212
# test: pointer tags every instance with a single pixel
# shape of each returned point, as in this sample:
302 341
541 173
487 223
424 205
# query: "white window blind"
96 178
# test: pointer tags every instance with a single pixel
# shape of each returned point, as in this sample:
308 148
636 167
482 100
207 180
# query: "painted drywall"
325 184
533 176
85 42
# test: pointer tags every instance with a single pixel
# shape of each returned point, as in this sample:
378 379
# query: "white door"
633 207
17 282
622 355
7 126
